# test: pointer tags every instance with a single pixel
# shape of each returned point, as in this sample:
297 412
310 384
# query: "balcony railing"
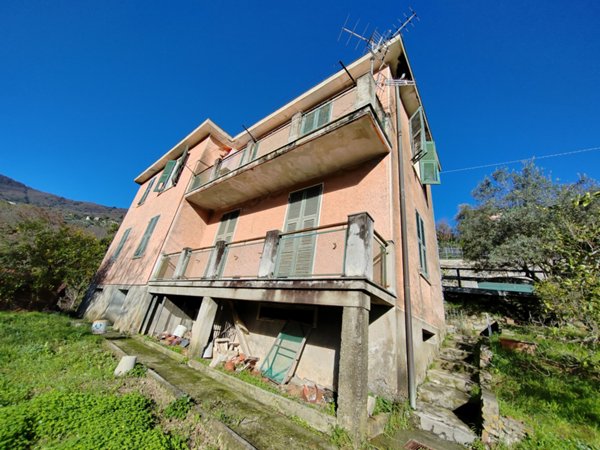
337 108
321 252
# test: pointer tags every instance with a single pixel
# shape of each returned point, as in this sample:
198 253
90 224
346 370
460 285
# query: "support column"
365 90
268 258
203 326
353 372
359 246
295 127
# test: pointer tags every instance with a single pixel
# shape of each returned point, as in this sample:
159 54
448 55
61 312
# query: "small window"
147 191
121 244
172 172
426 334
422 246
146 238
316 118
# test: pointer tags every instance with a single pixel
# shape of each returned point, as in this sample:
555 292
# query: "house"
313 228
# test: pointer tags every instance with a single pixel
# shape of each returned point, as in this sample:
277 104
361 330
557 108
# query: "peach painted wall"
166 204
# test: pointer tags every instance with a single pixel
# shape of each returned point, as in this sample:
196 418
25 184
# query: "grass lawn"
57 391
555 392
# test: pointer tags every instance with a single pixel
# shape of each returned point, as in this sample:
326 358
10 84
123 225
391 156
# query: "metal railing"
451 253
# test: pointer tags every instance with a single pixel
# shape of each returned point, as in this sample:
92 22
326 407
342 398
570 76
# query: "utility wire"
591 149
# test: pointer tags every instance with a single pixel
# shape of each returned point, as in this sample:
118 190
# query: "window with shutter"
422 245
146 238
147 191
227 226
121 244
180 163
430 165
316 118
164 177
296 253
417 132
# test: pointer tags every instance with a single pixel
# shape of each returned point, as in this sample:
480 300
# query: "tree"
41 263
506 227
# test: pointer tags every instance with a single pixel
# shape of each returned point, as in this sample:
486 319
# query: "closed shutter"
324 115
295 256
146 238
422 245
316 118
164 178
146 192
227 226
121 244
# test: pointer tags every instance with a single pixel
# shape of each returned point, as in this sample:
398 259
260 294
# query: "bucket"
179 331
99 326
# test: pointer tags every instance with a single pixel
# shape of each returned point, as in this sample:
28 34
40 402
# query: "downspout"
410 357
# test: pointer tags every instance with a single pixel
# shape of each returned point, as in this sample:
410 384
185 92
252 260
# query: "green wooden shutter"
430 165
227 226
146 238
417 132
422 244
296 252
121 244
308 122
324 115
282 359
146 192
164 178
179 167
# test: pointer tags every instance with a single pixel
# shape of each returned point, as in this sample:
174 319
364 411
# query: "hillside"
19 201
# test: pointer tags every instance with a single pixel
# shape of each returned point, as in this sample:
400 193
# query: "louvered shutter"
164 178
146 238
417 132
227 226
146 192
296 251
179 167
308 122
430 165
324 115
121 244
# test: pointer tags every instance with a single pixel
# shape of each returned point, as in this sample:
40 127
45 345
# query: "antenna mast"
377 43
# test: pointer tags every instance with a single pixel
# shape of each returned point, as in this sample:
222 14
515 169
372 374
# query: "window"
422 246
227 226
147 191
296 252
172 172
146 238
121 244
316 118
417 133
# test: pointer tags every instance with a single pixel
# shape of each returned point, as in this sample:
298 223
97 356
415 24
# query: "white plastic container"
99 326
179 331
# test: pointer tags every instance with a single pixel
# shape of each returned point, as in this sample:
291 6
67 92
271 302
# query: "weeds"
179 408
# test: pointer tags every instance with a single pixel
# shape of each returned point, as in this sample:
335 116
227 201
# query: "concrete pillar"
353 372
269 254
159 266
365 91
182 262
295 127
203 326
215 169
216 258
359 246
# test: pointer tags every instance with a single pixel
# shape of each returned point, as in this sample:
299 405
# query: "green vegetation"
399 414
179 408
42 263
57 391
555 391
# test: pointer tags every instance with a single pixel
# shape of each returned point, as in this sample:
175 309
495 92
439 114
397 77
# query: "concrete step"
453 354
443 423
442 396
454 366
459 381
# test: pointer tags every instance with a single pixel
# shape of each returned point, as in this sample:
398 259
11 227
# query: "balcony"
337 257
341 133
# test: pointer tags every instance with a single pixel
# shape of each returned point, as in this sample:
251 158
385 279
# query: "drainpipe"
410 357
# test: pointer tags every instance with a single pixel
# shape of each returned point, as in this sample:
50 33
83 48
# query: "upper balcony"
318 265
343 132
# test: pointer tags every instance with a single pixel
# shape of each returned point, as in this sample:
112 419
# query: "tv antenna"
377 43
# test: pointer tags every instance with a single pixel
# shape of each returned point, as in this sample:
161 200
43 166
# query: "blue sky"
93 92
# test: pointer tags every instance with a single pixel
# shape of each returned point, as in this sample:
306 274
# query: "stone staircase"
448 403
